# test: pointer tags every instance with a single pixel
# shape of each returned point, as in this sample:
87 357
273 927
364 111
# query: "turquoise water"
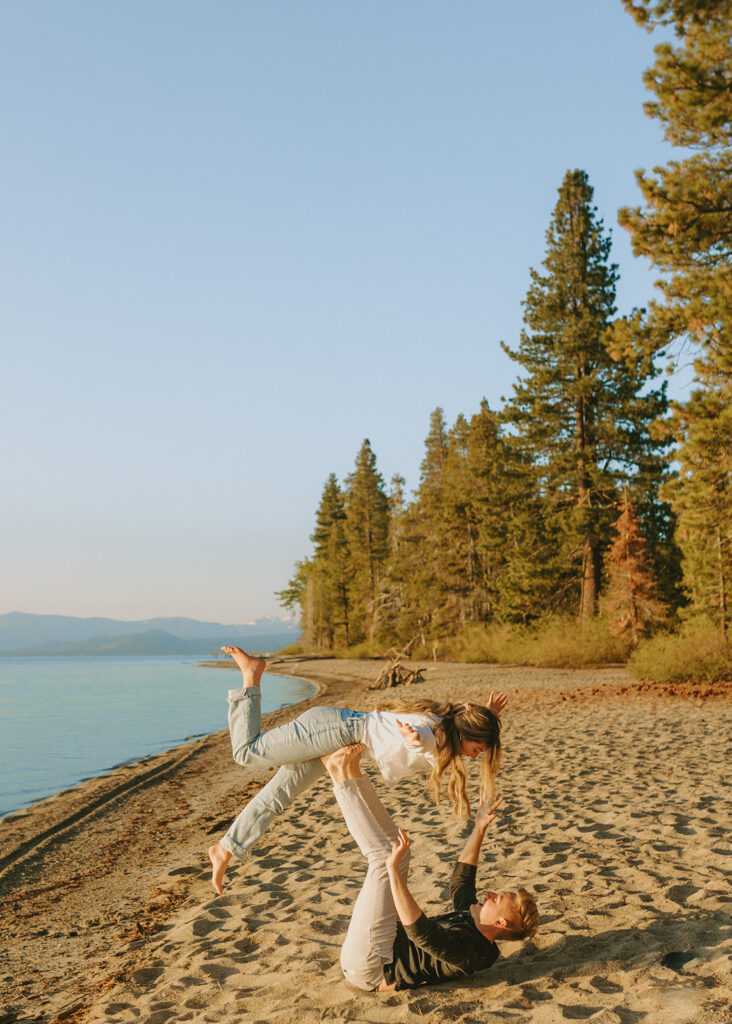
66 719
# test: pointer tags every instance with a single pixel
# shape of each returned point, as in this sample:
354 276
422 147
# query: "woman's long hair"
471 722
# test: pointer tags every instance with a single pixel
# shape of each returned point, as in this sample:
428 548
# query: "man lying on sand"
381 953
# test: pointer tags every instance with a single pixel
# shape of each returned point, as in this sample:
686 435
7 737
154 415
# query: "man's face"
499 908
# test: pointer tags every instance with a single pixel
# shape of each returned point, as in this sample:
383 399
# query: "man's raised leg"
370 939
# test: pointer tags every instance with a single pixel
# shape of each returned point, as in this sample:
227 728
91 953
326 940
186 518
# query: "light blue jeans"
297 746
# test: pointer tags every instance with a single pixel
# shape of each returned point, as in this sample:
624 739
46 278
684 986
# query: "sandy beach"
616 815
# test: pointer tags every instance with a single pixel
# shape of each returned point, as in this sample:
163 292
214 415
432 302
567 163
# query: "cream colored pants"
370 939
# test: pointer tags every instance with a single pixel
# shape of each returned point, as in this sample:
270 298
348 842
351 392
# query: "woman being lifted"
404 738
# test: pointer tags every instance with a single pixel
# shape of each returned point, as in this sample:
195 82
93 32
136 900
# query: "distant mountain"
23 635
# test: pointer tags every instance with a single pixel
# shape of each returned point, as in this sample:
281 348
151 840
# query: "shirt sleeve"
426 739
462 886
439 942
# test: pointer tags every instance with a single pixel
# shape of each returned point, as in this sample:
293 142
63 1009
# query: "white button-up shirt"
396 758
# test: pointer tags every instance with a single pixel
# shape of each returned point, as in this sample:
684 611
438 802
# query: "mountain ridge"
23 634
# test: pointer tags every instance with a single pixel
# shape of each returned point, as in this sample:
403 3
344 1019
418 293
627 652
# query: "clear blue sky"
240 237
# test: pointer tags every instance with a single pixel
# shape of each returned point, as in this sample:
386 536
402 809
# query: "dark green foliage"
580 418
367 533
701 495
685 229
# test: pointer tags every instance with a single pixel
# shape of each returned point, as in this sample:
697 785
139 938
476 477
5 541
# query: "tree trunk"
590 577
722 585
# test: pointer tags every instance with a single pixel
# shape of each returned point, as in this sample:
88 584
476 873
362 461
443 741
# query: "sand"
617 816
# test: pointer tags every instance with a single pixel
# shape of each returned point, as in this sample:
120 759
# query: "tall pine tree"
321 585
579 416
513 555
367 533
685 229
333 564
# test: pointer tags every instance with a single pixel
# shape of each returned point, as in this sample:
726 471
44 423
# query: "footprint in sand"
204 927
146 975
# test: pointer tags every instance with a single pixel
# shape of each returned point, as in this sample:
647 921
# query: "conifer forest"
588 496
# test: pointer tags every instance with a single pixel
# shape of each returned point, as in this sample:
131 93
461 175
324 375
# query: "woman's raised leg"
271 800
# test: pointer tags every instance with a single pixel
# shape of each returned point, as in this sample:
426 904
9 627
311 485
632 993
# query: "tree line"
588 490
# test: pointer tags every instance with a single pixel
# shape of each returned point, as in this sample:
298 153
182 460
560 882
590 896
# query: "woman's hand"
497 702
409 734
398 851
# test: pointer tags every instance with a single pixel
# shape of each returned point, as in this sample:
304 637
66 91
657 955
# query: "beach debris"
396 673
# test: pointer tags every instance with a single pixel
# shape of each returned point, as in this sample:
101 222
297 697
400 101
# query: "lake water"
66 719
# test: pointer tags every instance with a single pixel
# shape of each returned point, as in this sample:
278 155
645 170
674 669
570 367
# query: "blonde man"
391 943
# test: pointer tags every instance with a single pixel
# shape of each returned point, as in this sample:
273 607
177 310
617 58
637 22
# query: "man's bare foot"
251 668
345 762
219 858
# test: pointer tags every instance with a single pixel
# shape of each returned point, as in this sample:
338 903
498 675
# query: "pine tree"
296 595
333 565
512 551
685 229
630 599
367 533
392 592
580 416
701 494
321 585
437 567
413 565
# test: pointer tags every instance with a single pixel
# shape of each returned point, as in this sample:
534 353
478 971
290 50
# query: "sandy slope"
616 815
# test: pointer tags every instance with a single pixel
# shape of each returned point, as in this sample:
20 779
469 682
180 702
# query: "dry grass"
697 651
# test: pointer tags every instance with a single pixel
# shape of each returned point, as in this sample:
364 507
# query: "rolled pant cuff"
234 848
243 693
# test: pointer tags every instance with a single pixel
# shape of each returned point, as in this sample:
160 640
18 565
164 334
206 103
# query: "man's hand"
398 851
486 813
497 702
409 734
406 906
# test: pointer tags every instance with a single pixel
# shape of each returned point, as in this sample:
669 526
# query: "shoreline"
92 771
611 790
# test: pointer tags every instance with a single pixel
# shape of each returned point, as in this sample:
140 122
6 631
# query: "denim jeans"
297 746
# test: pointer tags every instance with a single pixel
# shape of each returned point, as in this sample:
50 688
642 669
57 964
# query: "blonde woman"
404 738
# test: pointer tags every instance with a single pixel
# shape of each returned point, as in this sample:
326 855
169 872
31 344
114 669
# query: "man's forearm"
406 906
471 851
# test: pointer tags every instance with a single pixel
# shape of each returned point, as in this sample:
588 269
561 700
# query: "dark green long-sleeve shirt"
435 949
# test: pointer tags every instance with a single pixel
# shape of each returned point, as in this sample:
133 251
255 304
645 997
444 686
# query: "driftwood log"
397 674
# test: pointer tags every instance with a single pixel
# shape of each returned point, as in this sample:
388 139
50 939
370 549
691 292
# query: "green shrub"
697 651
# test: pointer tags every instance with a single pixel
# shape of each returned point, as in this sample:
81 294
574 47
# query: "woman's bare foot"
344 763
219 858
251 668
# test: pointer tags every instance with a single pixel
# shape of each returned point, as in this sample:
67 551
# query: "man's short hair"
528 918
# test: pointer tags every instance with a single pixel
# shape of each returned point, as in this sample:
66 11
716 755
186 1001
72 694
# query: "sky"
241 237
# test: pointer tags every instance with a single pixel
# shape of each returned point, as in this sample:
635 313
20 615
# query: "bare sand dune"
617 815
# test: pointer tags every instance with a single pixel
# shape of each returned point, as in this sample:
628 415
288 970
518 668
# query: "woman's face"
472 748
